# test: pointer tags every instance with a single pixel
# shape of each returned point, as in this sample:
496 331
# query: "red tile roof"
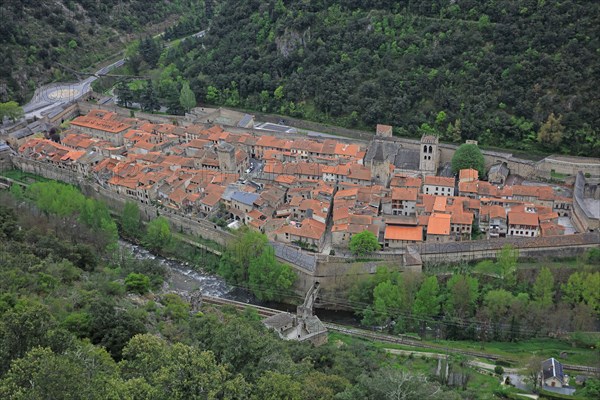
408 233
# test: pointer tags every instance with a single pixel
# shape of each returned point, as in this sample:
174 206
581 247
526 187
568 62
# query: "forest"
36 37
80 318
488 301
520 75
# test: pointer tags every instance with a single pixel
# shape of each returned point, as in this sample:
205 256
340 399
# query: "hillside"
35 36
491 71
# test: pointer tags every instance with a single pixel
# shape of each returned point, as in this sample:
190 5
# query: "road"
49 97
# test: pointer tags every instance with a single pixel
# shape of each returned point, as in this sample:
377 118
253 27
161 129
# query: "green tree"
463 292
268 278
583 287
113 327
138 283
187 99
427 301
11 110
130 220
543 288
149 100
247 246
364 243
158 234
212 95
498 303
278 93
468 156
387 301
85 373
551 132
124 94
276 386
27 325
506 259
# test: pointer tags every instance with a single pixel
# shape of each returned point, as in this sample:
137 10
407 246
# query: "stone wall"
553 246
584 219
85 107
116 202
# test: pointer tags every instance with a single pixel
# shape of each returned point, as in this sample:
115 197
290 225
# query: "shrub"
138 283
499 370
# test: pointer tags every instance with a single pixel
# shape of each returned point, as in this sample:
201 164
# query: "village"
310 193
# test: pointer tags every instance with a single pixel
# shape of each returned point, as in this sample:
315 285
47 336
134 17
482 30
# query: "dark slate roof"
279 321
245 197
499 169
552 368
295 256
21 133
245 121
226 146
407 159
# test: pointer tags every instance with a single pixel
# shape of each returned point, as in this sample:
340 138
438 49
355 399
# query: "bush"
499 370
138 283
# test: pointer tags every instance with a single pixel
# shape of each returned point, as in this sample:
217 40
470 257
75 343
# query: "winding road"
49 97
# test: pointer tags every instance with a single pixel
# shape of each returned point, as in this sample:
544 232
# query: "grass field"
519 352
480 386
21 176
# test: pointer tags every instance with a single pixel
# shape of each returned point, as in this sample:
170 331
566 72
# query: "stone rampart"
553 246
85 107
584 218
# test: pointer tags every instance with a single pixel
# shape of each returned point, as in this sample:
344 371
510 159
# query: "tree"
248 245
463 292
583 287
543 288
138 283
391 384
468 156
130 221
187 99
149 100
113 327
87 372
158 234
387 300
11 110
124 94
27 325
212 95
551 132
268 278
364 243
506 260
534 366
277 386
427 301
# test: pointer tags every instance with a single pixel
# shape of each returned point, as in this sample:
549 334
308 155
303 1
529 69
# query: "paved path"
49 97
474 363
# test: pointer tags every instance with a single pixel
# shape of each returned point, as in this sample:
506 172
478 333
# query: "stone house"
552 373
523 224
309 232
438 186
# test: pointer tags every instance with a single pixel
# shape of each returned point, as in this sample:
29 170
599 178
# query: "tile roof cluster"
179 167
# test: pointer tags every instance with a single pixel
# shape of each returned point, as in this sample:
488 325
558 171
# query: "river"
182 277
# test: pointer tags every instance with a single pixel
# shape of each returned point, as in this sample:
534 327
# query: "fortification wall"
86 107
116 202
540 247
585 220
